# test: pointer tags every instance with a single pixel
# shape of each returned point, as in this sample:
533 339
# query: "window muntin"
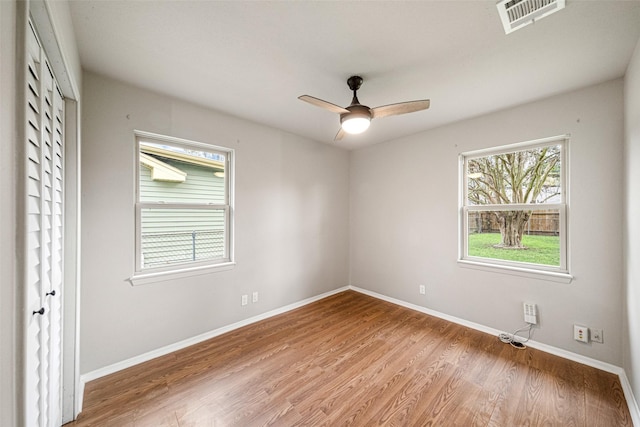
513 206
183 209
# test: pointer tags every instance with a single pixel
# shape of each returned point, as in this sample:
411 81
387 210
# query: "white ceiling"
253 59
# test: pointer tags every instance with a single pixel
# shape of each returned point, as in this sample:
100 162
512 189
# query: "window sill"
552 276
161 276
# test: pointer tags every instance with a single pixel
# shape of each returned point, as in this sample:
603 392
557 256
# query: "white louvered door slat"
44 240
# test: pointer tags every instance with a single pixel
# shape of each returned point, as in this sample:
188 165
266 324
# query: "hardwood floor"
350 359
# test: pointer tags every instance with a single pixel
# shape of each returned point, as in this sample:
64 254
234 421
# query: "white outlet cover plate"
597 335
581 333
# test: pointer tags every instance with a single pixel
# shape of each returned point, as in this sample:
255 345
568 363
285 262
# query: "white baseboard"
607 367
98 373
145 357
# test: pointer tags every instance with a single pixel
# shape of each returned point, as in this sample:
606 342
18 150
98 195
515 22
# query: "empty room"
320 213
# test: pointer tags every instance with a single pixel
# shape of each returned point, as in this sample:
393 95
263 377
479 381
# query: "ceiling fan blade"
323 104
399 108
341 133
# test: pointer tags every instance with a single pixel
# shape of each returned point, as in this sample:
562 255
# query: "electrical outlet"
254 297
581 333
245 300
597 335
423 290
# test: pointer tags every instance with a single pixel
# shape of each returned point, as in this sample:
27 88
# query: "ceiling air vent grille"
516 14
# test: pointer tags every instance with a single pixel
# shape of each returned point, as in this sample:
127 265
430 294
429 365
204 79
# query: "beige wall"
291 224
404 221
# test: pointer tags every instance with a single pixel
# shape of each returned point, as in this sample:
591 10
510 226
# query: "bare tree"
522 177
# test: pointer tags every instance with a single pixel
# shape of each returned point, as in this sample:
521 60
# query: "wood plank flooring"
350 359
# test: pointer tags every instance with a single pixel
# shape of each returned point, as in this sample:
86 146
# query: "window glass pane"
515 235
178 175
173 236
519 177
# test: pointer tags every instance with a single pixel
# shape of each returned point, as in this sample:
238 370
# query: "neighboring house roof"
161 171
154 150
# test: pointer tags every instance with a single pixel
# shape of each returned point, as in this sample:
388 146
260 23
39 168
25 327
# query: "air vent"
516 14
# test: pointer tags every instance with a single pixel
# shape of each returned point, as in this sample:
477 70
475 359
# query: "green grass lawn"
540 249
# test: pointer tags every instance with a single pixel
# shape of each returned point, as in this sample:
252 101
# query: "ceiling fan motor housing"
356 120
356 111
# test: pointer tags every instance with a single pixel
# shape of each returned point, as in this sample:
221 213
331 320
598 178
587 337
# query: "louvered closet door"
44 209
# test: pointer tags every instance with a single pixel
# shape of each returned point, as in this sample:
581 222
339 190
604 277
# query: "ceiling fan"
356 118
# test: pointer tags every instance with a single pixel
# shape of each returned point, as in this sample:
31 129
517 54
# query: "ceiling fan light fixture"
355 123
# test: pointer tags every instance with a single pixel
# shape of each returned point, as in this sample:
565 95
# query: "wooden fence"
545 223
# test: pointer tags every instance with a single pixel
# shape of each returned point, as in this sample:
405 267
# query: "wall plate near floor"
581 333
597 335
530 313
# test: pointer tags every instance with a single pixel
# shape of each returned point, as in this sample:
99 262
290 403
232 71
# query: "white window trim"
178 273
144 276
557 274
516 271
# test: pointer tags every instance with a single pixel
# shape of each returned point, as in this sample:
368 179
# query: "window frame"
559 273
143 275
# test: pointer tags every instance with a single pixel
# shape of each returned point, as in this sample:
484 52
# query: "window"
183 205
513 206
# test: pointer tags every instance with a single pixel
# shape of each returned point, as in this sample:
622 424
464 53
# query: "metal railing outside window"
179 247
